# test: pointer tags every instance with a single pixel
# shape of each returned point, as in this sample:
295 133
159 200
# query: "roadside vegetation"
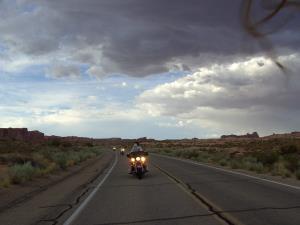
278 157
21 162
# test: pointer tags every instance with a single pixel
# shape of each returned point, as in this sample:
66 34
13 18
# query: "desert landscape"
55 175
25 155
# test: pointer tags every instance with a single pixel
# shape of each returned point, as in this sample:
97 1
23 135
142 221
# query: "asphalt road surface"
178 192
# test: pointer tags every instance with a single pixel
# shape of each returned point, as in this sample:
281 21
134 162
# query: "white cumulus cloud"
238 97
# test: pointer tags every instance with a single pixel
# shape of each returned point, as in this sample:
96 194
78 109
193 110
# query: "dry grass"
279 157
25 161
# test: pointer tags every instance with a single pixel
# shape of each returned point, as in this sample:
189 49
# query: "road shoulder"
42 201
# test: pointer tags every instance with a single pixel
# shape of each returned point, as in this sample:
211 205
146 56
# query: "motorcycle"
122 151
138 163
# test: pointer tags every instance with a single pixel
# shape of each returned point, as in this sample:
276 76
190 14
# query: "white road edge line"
75 214
229 171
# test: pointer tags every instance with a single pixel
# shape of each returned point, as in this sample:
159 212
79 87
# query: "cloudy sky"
155 68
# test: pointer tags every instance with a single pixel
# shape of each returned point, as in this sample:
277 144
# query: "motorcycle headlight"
138 158
132 159
143 159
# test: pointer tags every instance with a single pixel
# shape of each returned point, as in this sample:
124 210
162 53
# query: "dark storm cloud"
136 37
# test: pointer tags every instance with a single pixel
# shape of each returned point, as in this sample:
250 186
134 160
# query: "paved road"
177 192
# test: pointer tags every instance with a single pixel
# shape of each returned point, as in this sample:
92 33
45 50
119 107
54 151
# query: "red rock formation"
13 133
35 136
253 135
295 134
21 134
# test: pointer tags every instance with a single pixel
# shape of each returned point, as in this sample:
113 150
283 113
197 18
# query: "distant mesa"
145 139
142 139
253 135
294 134
21 134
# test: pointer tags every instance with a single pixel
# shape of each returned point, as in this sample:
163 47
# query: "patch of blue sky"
14 114
31 88
3 48
149 81
123 87
29 7
34 73
10 95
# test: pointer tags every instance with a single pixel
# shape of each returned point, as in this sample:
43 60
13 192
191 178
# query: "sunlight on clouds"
175 124
250 94
18 63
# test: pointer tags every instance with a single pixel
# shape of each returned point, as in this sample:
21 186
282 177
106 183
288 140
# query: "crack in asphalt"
87 187
54 221
53 206
211 208
260 209
187 186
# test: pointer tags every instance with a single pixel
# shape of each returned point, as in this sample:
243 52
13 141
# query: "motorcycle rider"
136 148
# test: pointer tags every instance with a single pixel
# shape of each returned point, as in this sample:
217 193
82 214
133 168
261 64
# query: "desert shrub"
250 163
277 156
280 169
5 182
292 162
94 151
75 158
60 158
66 144
84 155
223 162
20 173
236 164
203 156
218 156
49 169
89 144
289 149
189 154
167 151
70 162
178 153
39 161
48 152
14 158
268 157
42 160
55 143
256 167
